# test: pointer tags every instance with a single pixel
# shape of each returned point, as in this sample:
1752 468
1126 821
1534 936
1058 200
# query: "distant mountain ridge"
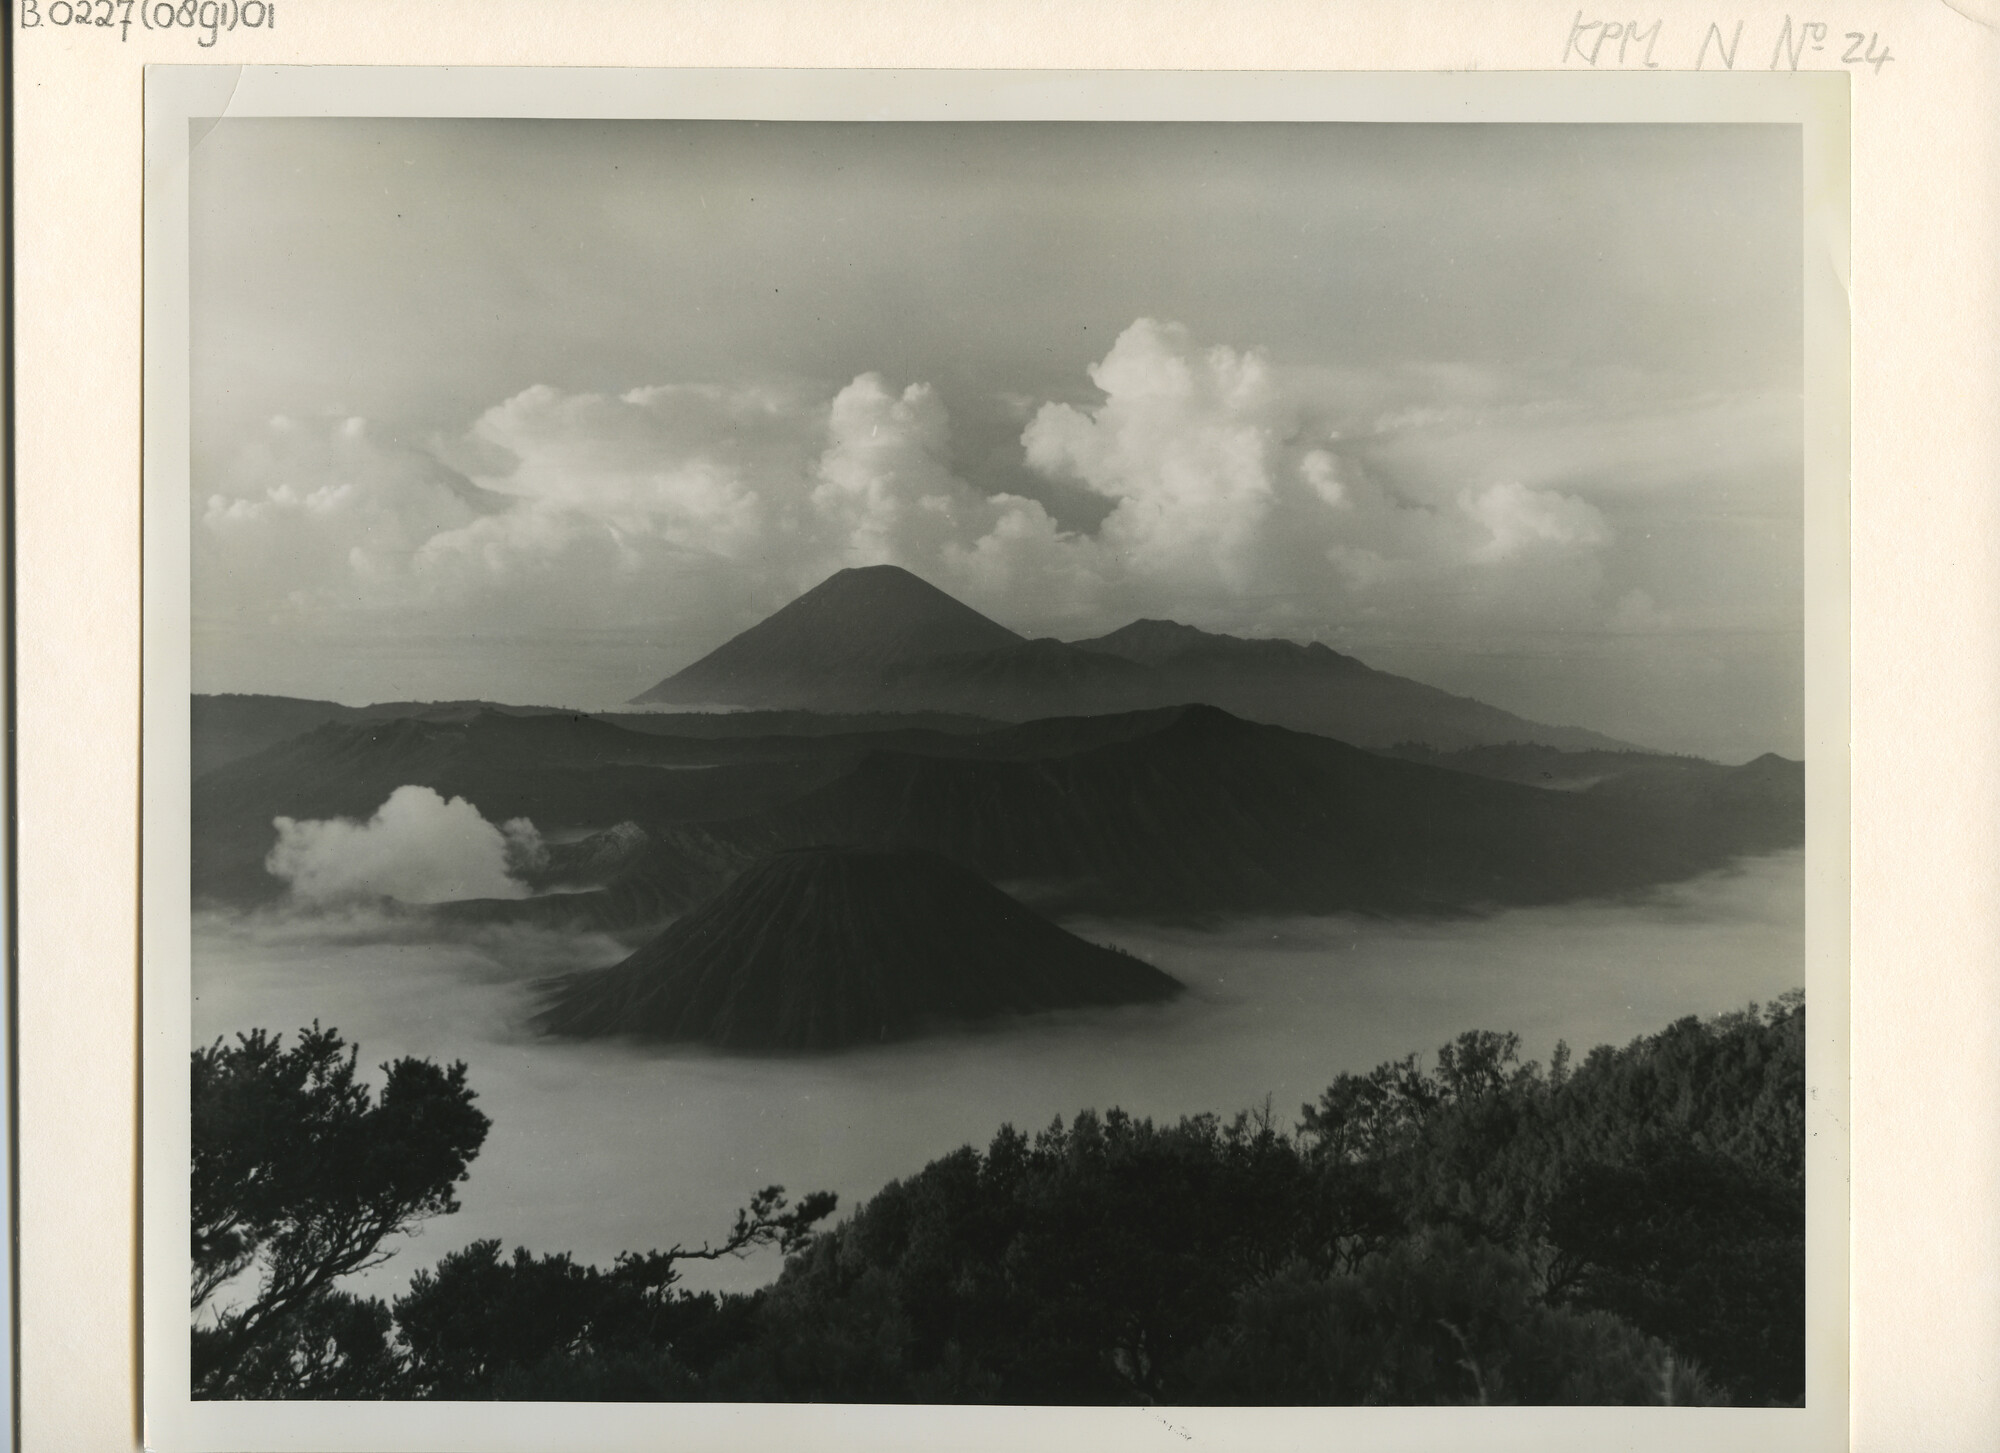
880 639
231 726
1189 814
1200 813
1156 642
563 772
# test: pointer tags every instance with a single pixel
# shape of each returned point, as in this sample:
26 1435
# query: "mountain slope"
1191 814
1211 814
571 775
851 626
1553 767
1022 682
1175 812
1160 643
881 640
565 773
230 727
1313 688
821 947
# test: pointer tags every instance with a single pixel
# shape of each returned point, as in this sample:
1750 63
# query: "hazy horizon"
629 704
540 412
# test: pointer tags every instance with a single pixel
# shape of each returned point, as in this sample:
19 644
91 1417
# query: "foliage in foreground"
301 1172
1626 1230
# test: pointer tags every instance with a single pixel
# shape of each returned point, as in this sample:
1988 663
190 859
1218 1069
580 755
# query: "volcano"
821 947
879 639
850 628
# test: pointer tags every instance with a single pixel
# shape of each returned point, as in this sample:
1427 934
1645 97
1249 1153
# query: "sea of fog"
601 1147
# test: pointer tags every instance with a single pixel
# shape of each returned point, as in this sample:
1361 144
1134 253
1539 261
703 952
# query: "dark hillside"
1181 812
229 728
1552 767
1017 683
1189 813
1311 687
793 723
562 772
1208 814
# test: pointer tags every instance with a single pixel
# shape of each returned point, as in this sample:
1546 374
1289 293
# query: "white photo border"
1817 103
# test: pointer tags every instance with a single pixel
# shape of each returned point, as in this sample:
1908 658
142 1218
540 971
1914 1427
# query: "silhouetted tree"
549 1327
1662 1181
301 1172
1697 1249
1433 1319
1627 1229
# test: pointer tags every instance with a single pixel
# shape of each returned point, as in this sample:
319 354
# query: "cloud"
313 508
1184 442
886 493
691 510
682 464
418 847
1244 494
1520 519
1614 435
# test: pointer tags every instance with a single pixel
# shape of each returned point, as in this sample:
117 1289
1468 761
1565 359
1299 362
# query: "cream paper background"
1926 709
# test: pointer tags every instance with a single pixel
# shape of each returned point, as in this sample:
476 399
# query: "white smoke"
418 848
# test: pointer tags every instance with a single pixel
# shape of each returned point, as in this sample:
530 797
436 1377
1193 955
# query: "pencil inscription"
1605 44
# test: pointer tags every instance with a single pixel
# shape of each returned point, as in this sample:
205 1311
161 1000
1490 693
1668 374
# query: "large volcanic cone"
822 947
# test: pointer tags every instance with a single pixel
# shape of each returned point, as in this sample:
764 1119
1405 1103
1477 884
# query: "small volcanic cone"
822 947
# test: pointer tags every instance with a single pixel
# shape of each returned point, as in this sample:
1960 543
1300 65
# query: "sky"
541 411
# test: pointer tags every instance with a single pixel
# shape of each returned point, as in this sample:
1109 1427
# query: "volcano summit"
879 639
856 624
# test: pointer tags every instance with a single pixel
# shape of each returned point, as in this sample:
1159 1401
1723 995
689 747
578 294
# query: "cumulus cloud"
886 493
1518 519
1184 442
689 510
1250 491
312 509
1242 494
1318 470
885 487
418 847
681 464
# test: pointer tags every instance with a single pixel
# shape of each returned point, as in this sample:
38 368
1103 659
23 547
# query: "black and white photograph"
1040 762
